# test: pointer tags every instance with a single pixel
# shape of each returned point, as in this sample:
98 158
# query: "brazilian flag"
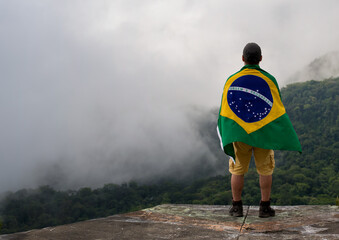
252 112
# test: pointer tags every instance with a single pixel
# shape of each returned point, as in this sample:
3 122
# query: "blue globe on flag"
250 98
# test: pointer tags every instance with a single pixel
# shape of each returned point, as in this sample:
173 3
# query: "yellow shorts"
264 159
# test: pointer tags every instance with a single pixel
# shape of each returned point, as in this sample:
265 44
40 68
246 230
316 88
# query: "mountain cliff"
179 221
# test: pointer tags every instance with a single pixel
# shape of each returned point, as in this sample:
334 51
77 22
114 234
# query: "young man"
252 119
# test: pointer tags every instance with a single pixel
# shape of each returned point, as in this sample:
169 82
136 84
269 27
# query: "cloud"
99 91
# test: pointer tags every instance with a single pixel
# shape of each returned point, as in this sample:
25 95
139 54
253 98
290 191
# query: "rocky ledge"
170 221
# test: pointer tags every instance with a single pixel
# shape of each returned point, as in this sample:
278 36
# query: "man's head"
251 54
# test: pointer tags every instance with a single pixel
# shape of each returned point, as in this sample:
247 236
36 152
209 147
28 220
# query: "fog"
94 92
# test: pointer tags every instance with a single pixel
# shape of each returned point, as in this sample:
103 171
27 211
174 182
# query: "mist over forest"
95 92
184 148
310 178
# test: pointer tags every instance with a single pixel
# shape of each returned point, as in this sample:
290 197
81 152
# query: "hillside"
311 177
308 178
323 67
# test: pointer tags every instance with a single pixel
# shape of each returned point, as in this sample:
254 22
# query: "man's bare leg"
265 187
237 184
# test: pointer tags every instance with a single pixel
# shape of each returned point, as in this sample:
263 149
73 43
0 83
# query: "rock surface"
170 221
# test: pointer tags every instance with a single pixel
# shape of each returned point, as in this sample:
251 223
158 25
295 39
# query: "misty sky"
102 91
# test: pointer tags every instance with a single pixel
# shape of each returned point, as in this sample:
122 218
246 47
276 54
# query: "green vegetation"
311 177
308 178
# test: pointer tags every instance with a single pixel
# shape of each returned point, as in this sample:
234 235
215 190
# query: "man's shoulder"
267 74
235 73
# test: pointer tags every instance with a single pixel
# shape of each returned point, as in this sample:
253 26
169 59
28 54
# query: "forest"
308 178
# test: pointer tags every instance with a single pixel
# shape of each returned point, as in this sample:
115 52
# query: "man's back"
253 120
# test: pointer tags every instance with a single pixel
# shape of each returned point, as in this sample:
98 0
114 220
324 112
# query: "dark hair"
252 53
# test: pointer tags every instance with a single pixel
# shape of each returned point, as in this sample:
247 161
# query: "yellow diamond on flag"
251 99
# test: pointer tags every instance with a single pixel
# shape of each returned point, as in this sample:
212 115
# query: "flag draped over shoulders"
252 112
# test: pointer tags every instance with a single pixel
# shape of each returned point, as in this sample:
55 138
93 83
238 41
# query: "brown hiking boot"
265 210
236 209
